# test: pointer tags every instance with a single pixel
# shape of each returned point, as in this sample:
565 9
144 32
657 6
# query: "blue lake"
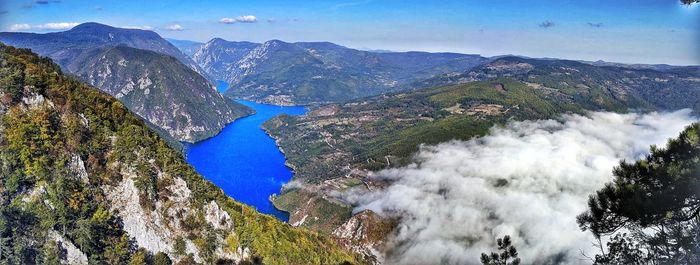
244 161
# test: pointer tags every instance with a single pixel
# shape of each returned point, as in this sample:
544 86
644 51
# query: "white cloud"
144 27
241 19
17 27
227 20
57 25
527 179
174 27
47 26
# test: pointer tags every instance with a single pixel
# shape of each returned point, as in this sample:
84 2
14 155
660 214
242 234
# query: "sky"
628 31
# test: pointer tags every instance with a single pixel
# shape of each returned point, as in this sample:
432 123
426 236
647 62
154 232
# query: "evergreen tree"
507 256
657 201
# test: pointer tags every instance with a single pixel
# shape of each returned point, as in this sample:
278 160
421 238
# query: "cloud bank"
241 19
527 179
47 26
144 27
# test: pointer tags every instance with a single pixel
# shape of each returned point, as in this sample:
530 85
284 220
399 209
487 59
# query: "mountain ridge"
147 81
189 110
64 44
287 73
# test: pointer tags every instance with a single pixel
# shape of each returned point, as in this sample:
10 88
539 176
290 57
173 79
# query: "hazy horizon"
640 32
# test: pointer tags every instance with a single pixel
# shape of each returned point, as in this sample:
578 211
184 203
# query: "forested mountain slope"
285 73
332 146
63 46
142 70
672 88
82 180
160 89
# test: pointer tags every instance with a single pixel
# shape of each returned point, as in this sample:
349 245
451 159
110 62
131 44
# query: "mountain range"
285 73
86 180
150 75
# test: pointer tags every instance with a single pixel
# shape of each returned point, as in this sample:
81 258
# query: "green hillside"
77 168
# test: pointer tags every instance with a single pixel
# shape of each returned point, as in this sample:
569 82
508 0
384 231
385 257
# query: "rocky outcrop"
147 228
217 217
73 255
366 233
157 230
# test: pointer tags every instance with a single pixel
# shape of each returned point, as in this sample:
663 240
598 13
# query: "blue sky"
632 31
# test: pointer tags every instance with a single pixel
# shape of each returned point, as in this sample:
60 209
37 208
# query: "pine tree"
507 256
657 201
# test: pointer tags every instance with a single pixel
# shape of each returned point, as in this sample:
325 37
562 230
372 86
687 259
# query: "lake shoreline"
245 161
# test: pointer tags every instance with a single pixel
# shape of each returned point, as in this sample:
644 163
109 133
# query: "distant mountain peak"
276 42
92 25
96 28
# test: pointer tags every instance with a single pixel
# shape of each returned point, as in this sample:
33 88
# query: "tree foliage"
651 210
508 255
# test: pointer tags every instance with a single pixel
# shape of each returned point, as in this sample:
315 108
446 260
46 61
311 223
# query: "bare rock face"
73 255
217 217
366 233
157 230
147 228
78 167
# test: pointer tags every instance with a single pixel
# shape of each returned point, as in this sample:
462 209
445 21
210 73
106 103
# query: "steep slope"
283 73
315 72
157 86
84 180
187 47
218 57
160 89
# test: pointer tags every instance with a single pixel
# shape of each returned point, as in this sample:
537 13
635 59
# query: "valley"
181 133
335 149
244 161
94 181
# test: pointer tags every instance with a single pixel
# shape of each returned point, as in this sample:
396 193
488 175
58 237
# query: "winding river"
244 161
